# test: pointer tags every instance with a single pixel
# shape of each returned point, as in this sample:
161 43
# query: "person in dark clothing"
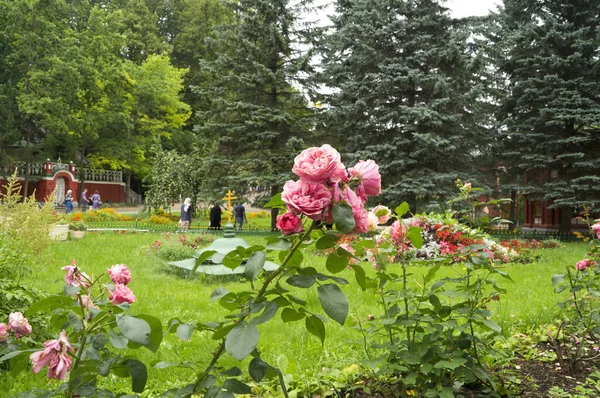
185 218
85 201
240 215
215 217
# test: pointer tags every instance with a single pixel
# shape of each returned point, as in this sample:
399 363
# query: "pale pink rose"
18 324
3 332
121 294
596 229
373 221
584 264
119 273
383 213
56 356
367 173
75 276
398 231
289 223
349 249
87 302
316 165
307 199
361 220
467 185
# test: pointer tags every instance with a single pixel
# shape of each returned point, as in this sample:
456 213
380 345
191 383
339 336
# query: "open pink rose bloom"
119 273
56 356
18 324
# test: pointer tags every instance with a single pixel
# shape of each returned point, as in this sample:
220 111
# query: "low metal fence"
537 235
164 228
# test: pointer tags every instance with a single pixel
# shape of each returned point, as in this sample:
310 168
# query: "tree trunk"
127 185
514 207
26 181
566 213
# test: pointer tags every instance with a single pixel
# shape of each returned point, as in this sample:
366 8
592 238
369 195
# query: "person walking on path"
185 218
215 217
96 200
85 201
240 215
69 201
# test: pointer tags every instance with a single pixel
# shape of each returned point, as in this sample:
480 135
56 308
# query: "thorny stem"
221 347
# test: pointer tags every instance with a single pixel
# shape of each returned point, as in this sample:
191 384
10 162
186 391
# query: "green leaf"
315 326
224 394
432 271
268 313
218 293
334 302
135 329
414 234
359 274
241 341
118 340
185 331
19 363
343 217
156 333
402 209
49 304
281 244
327 241
492 325
276 202
202 258
558 278
138 373
232 260
257 369
234 371
336 263
291 315
254 265
236 387
303 281
451 364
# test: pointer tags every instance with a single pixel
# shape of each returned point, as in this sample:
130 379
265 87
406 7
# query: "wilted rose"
19 324
119 273
121 294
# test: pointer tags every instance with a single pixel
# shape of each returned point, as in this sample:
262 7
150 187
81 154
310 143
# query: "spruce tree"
552 110
257 117
407 93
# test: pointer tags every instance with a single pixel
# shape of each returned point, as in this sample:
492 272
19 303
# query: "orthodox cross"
228 198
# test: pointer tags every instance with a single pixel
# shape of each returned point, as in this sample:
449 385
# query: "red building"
44 178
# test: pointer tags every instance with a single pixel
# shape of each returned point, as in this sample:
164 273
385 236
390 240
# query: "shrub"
172 251
77 226
160 220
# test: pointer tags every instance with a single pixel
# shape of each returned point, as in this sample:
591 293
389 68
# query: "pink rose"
373 221
56 356
307 199
18 324
584 264
383 213
119 273
398 231
596 229
361 220
316 165
121 294
367 173
349 196
289 223
75 276
3 332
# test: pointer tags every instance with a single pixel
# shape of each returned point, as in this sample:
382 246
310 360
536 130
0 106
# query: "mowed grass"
529 302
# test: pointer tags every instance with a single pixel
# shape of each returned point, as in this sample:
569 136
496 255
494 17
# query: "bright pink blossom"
75 276
398 231
289 223
3 332
56 356
383 213
367 173
307 199
119 273
18 324
121 294
316 165
584 264
596 229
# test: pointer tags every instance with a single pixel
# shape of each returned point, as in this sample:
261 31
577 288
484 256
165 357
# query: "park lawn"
529 302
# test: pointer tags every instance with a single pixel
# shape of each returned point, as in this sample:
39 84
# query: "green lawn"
530 301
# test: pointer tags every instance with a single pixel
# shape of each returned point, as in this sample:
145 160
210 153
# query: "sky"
465 8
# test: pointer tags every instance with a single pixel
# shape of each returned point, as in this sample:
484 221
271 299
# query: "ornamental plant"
577 338
93 327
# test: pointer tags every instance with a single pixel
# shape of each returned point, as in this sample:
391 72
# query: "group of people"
216 213
85 201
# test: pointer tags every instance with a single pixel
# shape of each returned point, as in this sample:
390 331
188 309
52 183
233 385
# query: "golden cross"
228 198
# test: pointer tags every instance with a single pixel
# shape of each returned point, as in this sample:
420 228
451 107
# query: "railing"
35 169
101 175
